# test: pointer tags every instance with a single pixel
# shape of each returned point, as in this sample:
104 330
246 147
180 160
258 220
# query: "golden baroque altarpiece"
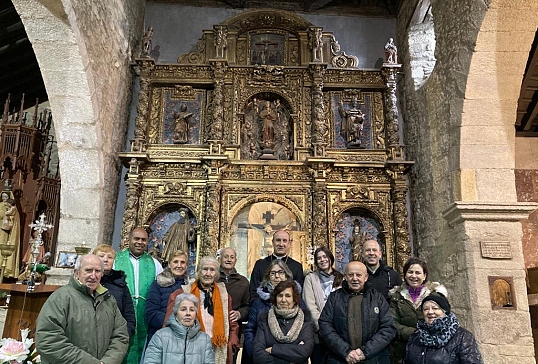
267 124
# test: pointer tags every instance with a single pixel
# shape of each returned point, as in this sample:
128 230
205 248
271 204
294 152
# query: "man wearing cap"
356 322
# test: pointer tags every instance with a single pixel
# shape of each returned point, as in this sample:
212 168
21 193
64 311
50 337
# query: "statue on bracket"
181 128
352 123
178 236
391 52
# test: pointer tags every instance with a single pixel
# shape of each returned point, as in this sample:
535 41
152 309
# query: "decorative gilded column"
144 68
215 130
130 214
320 129
394 146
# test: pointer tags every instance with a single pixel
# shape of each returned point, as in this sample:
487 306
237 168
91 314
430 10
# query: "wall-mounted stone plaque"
496 249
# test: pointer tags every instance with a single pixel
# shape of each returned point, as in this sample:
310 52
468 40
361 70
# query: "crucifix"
268 228
263 56
40 226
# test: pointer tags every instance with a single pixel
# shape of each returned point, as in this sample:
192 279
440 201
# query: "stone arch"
89 88
421 44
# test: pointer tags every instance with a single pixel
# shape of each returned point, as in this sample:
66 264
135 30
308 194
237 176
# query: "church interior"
219 122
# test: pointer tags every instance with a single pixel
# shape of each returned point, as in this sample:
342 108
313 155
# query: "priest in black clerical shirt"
281 245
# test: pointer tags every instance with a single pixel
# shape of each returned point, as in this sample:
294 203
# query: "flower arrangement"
18 352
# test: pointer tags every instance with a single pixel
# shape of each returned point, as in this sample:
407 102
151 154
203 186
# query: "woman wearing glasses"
277 272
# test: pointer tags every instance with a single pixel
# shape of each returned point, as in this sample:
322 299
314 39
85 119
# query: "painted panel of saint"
353 122
252 233
181 123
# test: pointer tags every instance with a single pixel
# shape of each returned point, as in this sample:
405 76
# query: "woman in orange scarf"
213 311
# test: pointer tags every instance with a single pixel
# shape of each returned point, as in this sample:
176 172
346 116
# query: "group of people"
124 308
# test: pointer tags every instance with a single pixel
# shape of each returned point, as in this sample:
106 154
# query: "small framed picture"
66 260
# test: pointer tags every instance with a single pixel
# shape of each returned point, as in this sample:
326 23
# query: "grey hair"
206 260
78 263
185 297
281 264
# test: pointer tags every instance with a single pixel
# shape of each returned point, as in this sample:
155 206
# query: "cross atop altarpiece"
269 229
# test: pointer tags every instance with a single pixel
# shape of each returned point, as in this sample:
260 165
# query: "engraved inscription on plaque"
495 249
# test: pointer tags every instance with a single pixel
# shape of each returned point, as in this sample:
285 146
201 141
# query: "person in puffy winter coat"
405 303
114 281
440 339
171 279
181 341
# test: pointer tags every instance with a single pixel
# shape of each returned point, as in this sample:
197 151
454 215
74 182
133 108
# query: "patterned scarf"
439 332
275 329
219 334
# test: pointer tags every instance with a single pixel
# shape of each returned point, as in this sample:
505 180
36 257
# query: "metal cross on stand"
40 226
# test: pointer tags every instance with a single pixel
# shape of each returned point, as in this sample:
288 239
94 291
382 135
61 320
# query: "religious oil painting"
353 228
165 222
182 117
267 49
252 233
66 259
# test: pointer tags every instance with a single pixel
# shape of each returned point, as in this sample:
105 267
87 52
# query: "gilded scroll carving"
197 55
339 58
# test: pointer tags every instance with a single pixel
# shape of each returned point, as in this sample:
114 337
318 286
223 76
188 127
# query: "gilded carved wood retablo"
265 125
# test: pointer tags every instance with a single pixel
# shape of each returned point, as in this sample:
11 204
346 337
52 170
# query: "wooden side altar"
24 307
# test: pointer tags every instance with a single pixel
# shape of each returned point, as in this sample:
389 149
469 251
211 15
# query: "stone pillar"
504 334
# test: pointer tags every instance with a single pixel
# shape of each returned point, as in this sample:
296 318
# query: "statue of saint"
268 118
352 123
357 240
181 128
10 232
178 236
146 42
391 52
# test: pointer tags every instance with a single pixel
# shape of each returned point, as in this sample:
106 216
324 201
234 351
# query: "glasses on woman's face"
277 273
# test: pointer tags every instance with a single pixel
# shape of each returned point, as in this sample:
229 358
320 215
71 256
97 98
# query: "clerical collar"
284 258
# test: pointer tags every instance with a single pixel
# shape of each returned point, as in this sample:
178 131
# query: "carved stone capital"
460 211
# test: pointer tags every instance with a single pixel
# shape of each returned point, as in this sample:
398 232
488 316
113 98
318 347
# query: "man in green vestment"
141 270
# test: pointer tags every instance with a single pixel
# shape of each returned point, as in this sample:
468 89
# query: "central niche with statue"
266 131
267 124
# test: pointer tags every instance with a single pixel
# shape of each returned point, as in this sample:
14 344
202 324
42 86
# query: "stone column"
504 334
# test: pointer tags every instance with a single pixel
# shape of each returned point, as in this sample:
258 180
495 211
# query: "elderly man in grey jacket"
81 322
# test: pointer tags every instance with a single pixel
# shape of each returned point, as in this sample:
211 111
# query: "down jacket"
406 314
157 300
117 286
177 344
74 327
461 349
377 325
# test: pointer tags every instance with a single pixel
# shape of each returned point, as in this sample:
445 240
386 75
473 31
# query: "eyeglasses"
278 272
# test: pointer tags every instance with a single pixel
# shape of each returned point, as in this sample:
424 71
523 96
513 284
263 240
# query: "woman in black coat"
114 281
439 338
285 334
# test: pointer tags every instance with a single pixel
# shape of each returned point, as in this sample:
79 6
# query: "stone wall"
459 128
84 50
